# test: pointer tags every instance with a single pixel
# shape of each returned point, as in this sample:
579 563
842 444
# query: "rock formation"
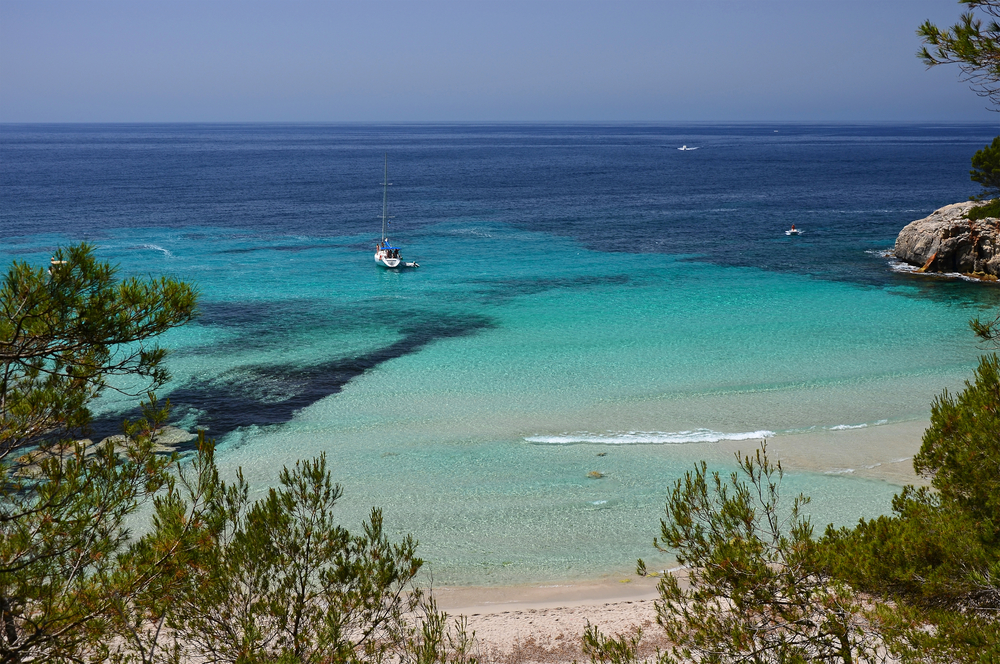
946 241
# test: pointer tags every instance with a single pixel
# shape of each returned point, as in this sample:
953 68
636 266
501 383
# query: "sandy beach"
545 622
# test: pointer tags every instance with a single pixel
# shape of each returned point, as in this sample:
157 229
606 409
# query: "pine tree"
64 332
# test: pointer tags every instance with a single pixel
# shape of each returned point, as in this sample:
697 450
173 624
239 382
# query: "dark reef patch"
265 395
284 247
505 289
269 324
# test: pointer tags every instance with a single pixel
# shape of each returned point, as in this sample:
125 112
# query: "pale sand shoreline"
545 622
884 452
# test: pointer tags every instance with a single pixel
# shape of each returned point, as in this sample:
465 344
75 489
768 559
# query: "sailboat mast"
385 195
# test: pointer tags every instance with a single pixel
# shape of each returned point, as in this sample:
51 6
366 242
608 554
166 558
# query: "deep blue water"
610 188
582 288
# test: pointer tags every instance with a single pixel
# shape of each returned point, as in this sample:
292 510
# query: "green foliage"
753 592
938 555
932 634
281 578
920 554
65 504
277 579
182 513
431 640
62 527
987 211
217 576
614 650
987 330
986 171
970 45
961 449
65 331
943 546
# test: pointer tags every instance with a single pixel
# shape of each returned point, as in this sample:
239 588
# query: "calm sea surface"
589 298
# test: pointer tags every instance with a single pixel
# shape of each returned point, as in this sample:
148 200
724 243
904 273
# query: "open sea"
589 298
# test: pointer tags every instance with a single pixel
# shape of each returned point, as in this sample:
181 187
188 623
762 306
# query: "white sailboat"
387 255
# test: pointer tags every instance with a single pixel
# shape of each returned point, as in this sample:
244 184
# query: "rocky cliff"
946 241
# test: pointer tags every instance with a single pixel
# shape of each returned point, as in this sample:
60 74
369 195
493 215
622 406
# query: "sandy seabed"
545 623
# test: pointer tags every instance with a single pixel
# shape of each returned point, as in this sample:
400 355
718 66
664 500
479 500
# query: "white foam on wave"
156 247
897 265
648 437
899 460
844 427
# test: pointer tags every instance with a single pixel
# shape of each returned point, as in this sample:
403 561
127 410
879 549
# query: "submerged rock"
172 437
167 439
946 241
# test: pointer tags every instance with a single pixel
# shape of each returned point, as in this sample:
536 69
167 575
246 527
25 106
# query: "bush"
991 209
754 591
986 169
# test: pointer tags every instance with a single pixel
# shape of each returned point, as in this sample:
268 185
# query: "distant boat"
684 147
387 255
792 231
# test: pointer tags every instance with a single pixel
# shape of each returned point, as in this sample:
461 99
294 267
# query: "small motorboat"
684 147
792 231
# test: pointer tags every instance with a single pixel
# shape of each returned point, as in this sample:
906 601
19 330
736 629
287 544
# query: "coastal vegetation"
215 575
970 45
919 585
65 333
754 588
986 171
975 48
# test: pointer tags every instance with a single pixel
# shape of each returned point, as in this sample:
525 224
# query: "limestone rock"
168 439
171 437
946 241
28 465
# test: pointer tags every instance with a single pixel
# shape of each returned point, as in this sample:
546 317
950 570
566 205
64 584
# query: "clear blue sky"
475 60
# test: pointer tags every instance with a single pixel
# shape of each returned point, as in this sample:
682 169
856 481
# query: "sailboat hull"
385 261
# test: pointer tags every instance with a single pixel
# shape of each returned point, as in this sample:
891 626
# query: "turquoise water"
470 398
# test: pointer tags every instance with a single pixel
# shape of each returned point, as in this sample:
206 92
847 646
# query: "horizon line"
492 122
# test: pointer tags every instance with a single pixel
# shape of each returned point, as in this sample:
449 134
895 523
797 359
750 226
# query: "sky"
476 61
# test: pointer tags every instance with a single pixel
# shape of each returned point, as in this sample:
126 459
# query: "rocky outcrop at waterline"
167 440
946 241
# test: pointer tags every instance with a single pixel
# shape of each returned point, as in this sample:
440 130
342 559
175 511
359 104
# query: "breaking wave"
156 247
842 427
648 437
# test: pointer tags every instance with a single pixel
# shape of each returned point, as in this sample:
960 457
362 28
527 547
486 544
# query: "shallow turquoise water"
471 397
481 444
